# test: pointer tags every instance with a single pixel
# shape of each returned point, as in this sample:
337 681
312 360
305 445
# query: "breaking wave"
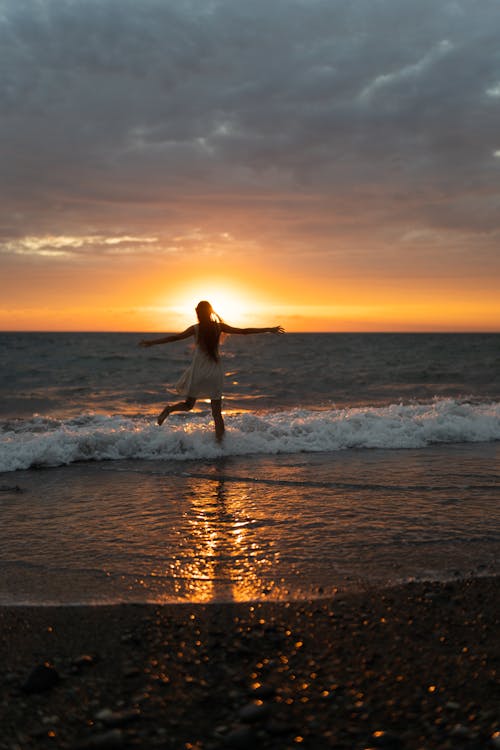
43 442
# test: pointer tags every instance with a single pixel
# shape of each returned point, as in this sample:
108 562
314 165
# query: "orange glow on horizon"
322 318
143 299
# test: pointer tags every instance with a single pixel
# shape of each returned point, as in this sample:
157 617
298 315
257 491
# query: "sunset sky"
323 164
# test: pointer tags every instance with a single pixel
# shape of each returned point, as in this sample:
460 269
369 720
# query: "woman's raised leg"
186 405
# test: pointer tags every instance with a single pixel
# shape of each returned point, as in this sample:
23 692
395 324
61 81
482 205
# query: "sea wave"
43 442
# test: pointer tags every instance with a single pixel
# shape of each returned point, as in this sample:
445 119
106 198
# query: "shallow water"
349 460
249 528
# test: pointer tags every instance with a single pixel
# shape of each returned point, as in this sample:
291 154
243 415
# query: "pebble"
459 731
85 660
42 677
112 739
50 720
131 671
240 738
253 713
104 714
495 740
117 718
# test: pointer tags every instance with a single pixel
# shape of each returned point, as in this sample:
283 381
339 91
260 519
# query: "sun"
231 302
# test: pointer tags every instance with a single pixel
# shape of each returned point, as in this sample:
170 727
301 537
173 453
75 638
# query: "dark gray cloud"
302 122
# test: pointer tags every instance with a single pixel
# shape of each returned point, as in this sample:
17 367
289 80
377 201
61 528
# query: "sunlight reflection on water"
248 529
221 559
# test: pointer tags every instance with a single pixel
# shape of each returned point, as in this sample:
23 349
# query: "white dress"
204 376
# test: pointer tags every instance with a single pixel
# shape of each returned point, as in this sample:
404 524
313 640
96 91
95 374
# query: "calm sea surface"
65 374
349 459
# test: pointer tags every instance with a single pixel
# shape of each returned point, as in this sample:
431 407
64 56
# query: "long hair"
208 330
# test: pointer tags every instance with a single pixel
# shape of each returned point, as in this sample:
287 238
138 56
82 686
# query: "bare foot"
163 415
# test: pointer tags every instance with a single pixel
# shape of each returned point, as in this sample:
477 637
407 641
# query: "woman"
203 379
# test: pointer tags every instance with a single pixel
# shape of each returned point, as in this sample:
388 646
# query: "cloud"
408 74
295 121
65 246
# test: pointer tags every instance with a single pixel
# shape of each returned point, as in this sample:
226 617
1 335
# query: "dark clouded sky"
346 153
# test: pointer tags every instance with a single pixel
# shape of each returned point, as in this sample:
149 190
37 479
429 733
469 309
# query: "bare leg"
186 405
218 420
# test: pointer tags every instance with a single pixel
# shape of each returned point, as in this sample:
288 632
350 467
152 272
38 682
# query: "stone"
85 660
112 739
130 671
50 720
253 713
117 718
42 677
459 731
495 740
104 714
240 738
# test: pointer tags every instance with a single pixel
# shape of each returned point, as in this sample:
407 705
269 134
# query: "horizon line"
354 331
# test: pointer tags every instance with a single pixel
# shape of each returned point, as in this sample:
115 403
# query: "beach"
413 666
249 375
327 578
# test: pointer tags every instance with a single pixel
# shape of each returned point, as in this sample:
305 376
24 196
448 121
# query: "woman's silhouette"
203 378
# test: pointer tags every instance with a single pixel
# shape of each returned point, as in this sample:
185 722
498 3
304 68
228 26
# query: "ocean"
350 460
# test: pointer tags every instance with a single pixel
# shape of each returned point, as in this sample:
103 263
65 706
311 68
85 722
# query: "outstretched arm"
168 339
245 331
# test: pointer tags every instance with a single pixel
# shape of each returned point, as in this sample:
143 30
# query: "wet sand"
414 667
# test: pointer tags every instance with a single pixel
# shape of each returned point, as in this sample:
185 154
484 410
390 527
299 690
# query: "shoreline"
414 666
347 590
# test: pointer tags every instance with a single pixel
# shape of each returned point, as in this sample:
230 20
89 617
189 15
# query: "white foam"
97 437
